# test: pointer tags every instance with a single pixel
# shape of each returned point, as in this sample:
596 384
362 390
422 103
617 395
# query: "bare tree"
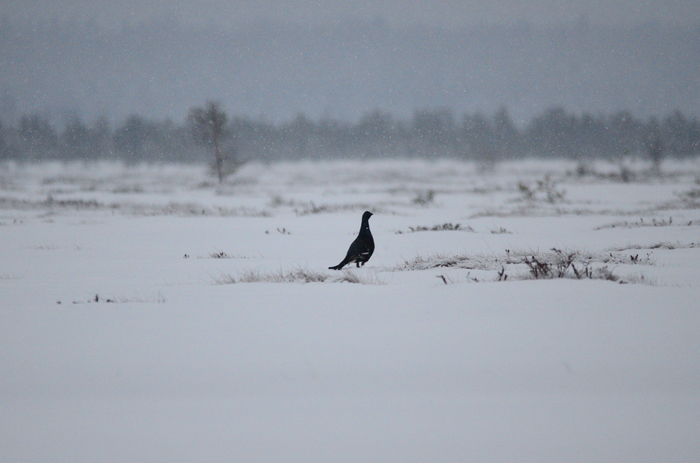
207 125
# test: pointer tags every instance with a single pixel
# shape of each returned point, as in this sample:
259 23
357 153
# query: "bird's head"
367 215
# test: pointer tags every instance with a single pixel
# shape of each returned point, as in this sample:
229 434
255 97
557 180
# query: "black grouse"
362 248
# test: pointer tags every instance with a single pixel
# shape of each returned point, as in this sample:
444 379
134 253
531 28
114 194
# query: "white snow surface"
148 314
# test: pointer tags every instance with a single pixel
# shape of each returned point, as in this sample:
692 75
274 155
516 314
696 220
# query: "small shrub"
424 198
584 169
545 189
563 267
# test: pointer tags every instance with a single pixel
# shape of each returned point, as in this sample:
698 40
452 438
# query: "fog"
163 61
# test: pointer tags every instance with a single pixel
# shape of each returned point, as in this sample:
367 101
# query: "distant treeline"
428 134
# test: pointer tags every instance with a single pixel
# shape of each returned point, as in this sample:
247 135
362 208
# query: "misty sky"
449 13
366 58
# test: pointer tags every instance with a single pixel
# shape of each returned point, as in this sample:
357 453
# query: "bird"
362 248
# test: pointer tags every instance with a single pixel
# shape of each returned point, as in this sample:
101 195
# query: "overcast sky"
449 13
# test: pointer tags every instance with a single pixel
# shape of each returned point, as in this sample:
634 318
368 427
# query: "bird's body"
362 248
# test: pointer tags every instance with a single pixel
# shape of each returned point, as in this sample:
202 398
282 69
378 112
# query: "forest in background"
555 133
72 90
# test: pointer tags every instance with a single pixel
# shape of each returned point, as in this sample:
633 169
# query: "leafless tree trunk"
208 128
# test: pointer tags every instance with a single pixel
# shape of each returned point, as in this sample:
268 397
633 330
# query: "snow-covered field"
531 313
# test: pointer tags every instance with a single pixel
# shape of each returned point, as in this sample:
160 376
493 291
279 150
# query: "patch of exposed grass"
312 208
157 298
78 204
660 245
522 265
357 277
564 267
510 257
139 209
193 210
128 189
45 247
654 222
54 247
221 255
51 203
439 227
298 275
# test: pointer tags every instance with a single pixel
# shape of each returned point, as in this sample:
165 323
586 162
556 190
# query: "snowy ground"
149 315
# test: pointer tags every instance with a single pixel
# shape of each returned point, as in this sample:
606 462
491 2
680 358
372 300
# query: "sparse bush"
563 267
584 169
544 189
424 198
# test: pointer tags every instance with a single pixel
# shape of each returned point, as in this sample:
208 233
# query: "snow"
119 340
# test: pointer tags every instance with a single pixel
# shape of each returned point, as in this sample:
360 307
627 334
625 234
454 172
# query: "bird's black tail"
339 266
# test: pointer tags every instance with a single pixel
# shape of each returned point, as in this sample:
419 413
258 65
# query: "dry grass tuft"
157 298
299 275
660 245
522 265
440 227
312 208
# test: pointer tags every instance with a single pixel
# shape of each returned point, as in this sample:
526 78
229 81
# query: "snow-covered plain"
150 315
